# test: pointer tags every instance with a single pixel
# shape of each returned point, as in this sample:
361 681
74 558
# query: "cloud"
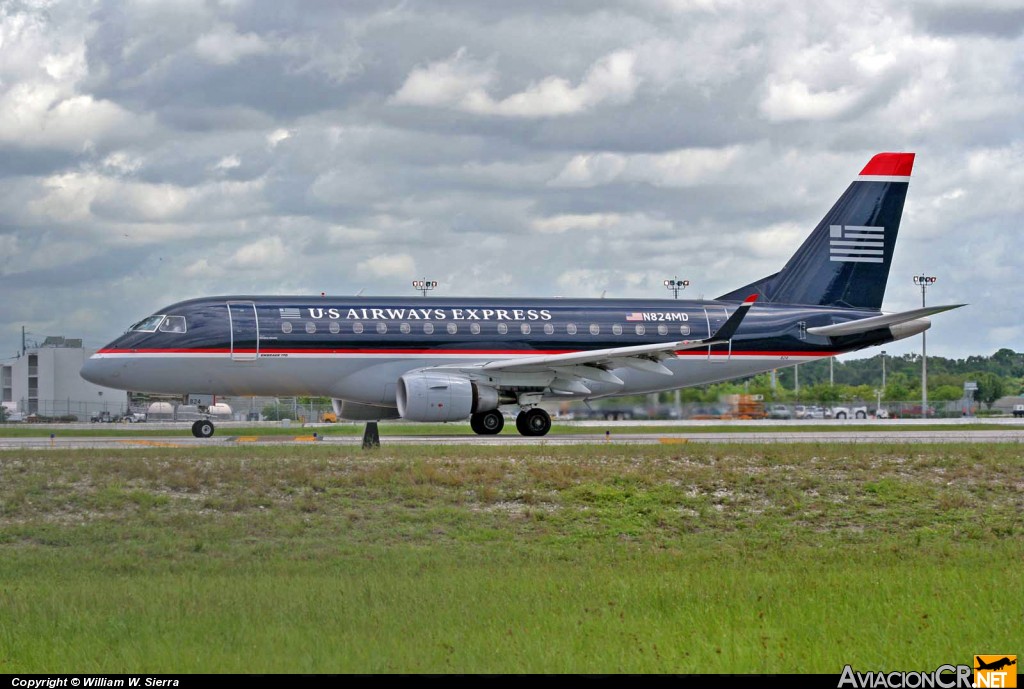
462 84
397 266
262 254
172 150
562 223
679 168
794 100
225 46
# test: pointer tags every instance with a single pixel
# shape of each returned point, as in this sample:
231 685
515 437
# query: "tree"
898 387
990 388
823 393
945 393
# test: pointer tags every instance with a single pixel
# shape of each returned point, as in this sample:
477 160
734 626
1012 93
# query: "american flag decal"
856 244
635 317
290 313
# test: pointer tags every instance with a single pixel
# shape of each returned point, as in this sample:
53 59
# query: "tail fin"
845 261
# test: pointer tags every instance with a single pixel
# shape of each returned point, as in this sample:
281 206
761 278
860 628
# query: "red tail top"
890 165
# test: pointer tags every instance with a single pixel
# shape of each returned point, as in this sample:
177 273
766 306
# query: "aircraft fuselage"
356 348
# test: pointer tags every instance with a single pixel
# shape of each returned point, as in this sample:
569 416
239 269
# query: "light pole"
883 370
676 285
424 285
924 281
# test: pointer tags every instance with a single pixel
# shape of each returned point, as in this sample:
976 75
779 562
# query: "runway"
619 433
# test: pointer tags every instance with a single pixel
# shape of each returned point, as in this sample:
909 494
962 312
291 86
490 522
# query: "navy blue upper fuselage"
309 324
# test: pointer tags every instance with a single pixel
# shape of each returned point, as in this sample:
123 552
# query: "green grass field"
596 559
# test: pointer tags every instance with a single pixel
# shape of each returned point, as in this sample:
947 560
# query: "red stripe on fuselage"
449 352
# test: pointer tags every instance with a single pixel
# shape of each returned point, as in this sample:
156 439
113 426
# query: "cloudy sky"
161 150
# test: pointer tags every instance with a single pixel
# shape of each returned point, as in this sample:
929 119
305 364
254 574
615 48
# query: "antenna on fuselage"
360 292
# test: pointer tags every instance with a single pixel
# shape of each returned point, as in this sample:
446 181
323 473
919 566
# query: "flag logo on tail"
856 244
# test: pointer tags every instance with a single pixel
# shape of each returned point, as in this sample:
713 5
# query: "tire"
203 429
841 415
487 423
862 415
533 422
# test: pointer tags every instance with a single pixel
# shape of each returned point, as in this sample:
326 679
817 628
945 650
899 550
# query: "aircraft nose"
100 372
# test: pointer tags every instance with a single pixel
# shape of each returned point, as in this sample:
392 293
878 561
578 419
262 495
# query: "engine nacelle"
435 396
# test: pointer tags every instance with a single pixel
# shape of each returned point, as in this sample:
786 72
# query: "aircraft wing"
864 325
633 357
564 373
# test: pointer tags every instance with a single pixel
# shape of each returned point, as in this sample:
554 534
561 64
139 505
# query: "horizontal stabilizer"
864 325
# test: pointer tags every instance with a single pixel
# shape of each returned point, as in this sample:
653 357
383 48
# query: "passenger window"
173 324
684 330
525 328
428 328
640 330
452 328
502 328
286 327
617 329
663 330
474 328
357 327
405 328
571 328
549 329
595 329
334 328
311 327
382 328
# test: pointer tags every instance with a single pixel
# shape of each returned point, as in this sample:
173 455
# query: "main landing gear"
203 428
487 423
531 422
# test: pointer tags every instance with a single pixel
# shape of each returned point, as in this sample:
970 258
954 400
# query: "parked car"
804 412
914 412
1018 410
779 411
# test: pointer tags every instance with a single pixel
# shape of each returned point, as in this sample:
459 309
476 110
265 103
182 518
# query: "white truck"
849 412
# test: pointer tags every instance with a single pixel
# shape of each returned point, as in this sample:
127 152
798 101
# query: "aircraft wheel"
533 422
487 423
202 429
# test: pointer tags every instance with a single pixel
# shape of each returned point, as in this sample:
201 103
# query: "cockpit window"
147 325
173 324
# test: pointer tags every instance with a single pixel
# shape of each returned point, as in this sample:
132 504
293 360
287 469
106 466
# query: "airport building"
45 381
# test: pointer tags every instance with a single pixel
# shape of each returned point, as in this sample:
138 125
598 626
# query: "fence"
278 408
240 408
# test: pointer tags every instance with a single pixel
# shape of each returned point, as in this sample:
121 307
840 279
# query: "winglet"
728 329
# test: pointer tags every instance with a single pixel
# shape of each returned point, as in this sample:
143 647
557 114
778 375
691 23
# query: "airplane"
449 359
995 664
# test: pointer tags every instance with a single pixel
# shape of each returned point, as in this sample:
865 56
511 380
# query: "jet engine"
436 396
